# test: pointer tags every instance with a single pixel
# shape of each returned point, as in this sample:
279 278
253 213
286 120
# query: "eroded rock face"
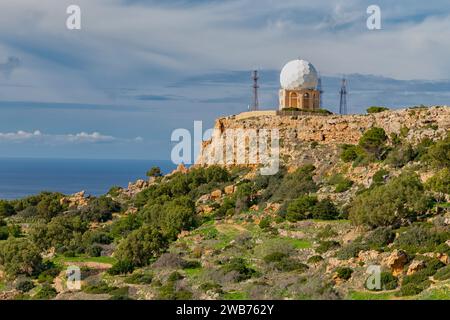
396 261
298 132
415 266
216 195
229 190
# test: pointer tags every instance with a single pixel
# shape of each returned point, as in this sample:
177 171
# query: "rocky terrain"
358 210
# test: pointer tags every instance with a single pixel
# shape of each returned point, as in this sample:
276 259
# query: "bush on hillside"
391 204
19 256
373 141
440 182
141 245
6 209
376 109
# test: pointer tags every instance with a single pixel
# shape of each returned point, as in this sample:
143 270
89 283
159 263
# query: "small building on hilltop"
299 87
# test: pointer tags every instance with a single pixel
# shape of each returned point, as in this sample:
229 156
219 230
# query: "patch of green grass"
365 295
2 286
192 273
235 295
299 243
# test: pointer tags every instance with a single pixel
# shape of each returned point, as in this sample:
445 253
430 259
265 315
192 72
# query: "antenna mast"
319 88
343 93
255 105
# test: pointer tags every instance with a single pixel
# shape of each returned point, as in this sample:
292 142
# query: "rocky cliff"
316 138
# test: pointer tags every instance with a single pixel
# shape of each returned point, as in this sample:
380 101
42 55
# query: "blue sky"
140 69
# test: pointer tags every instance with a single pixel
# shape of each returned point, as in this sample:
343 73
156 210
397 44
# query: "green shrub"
24 285
315 259
49 273
208 286
4 233
413 289
293 185
349 152
99 288
420 238
175 276
19 256
344 273
120 294
275 257
141 245
154 172
379 177
47 292
139 278
325 210
191 264
169 292
376 109
121 267
302 208
400 156
340 183
387 281
288 265
100 209
419 281
265 223
401 198
94 251
326 232
379 238
443 274
373 141
439 153
325 246
239 265
440 182
307 207
6 209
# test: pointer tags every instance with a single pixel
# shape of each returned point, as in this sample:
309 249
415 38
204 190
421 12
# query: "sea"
20 178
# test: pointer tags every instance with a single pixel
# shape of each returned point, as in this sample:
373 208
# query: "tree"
50 205
440 182
439 154
6 209
154 172
349 152
100 210
325 210
20 256
141 245
401 199
301 208
373 141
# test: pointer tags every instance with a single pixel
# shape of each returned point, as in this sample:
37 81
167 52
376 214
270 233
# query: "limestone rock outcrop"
396 261
297 133
76 201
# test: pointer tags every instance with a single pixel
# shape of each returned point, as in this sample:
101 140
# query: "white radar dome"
298 74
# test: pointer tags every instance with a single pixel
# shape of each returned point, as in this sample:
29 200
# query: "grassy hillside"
216 233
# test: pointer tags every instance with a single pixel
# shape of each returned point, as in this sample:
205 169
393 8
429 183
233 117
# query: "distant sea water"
23 177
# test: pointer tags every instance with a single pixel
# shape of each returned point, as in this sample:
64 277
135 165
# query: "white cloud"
77 138
167 40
